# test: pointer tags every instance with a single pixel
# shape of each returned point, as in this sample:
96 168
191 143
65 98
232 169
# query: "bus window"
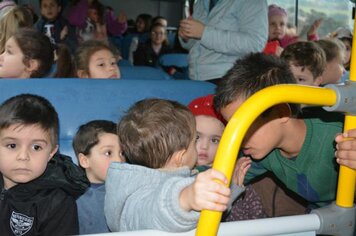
335 13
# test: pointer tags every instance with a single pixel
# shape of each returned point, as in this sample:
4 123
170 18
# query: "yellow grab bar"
240 122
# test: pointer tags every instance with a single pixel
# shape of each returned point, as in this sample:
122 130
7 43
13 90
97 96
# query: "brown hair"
86 50
153 130
17 17
333 48
307 55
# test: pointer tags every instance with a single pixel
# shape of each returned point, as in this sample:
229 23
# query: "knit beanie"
204 106
273 10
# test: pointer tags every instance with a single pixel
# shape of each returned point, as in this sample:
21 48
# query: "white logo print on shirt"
20 224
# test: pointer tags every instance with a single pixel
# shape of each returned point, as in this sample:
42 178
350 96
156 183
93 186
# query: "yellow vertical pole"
347 176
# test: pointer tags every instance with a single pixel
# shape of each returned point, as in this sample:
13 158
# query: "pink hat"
273 10
204 106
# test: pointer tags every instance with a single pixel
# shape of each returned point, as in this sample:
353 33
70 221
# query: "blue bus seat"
78 101
143 73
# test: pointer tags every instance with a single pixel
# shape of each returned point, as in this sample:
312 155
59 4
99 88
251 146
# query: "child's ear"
176 159
55 149
284 111
83 160
318 80
82 74
32 65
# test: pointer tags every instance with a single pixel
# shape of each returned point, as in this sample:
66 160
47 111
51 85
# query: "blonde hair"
17 17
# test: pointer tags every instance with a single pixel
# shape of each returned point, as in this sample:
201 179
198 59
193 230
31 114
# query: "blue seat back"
143 73
78 101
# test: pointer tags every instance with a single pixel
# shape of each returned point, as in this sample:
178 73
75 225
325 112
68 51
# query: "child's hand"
314 27
205 193
122 18
346 149
241 168
64 32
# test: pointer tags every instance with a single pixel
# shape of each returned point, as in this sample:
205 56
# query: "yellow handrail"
347 176
240 122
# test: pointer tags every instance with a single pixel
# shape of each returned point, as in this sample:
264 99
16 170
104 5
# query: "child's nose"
23 155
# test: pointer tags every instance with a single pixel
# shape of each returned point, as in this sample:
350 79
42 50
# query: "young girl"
96 59
28 54
147 54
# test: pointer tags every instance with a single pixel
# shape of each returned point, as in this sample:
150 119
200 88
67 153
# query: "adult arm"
115 27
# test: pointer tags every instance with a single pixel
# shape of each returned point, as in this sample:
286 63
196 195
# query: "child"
278 140
156 190
306 61
17 17
148 53
277 30
96 59
28 54
38 186
334 52
210 126
78 13
96 145
52 24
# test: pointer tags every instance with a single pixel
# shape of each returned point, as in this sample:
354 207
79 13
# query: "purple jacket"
78 13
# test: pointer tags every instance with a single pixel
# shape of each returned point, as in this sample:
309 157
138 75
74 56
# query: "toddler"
38 185
96 59
96 145
156 190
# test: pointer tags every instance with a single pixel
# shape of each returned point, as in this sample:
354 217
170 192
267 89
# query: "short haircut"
58 2
37 46
250 74
306 55
152 130
86 50
333 48
88 134
29 109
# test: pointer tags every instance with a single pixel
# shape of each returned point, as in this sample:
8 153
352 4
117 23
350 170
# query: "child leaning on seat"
155 188
38 186
279 140
96 145
96 59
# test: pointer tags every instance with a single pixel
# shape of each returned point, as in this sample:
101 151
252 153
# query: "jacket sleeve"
77 13
113 26
250 34
62 215
159 208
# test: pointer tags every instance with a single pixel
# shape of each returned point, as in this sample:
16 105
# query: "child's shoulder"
319 116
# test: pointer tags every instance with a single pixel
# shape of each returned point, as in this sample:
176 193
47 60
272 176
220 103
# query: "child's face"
158 35
140 25
190 156
333 72
93 15
209 131
96 163
11 61
103 65
277 27
304 76
50 9
24 153
263 135
347 55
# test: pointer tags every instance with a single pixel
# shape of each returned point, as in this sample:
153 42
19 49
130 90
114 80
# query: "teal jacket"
233 29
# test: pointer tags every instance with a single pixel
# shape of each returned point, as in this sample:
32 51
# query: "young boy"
306 61
52 24
300 152
156 190
96 145
38 186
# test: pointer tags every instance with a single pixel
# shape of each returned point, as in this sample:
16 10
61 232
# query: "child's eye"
108 153
215 140
101 64
301 80
11 146
37 147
